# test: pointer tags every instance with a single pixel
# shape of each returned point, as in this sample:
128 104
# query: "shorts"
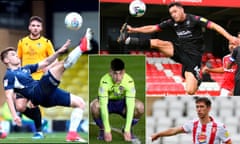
190 63
117 106
47 93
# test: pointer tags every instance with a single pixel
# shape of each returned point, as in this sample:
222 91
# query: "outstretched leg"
76 116
85 45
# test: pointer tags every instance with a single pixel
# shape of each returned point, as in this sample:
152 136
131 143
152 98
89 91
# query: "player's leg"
32 113
191 83
85 45
76 116
95 111
138 112
166 47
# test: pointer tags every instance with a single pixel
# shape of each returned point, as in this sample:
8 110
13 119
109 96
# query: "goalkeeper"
116 94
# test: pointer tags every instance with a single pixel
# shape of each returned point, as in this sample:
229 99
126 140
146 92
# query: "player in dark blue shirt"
188 48
44 92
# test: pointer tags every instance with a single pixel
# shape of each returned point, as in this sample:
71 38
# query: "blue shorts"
117 106
47 93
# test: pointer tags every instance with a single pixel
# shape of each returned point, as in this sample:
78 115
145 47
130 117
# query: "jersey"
228 82
189 33
32 51
108 90
114 91
210 133
41 92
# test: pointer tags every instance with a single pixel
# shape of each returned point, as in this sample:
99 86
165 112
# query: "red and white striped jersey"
210 133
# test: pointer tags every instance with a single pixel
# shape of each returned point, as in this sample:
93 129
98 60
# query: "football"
73 21
137 8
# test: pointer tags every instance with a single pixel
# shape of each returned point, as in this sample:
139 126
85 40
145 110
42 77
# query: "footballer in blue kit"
45 92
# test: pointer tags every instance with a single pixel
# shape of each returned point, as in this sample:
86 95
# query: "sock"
99 122
134 121
75 119
72 57
142 43
35 115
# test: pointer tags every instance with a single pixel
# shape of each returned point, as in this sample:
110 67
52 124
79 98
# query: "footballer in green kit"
116 94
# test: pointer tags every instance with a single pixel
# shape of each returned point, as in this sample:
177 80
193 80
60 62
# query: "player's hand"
108 136
127 136
205 69
234 40
64 47
154 137
18 120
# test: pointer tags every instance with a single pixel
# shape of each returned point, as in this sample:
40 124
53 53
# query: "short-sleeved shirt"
228 82
116 91
189 33
32 51
210 133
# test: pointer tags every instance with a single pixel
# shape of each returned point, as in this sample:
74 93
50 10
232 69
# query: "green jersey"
108 90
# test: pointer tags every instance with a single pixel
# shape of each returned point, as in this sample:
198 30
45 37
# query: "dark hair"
205 100
37 18
178 4
117 64
5 51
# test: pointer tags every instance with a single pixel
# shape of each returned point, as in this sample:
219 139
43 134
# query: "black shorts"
190 63
236 91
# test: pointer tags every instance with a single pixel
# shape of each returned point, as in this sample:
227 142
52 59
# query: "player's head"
176 11
35 25
9 56
117 70
203 106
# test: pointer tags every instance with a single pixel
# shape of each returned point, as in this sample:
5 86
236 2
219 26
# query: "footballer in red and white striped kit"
205 130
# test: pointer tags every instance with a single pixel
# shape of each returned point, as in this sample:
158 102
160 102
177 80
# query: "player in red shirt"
227 85
204 129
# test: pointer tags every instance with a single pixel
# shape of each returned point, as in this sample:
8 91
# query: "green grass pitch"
55 137
135 66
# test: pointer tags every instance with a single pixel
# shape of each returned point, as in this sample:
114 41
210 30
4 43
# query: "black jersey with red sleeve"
189 33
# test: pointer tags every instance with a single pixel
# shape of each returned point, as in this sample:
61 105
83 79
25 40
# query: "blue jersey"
43 92
21 80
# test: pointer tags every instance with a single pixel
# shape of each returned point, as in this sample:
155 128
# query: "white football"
73 21
137 8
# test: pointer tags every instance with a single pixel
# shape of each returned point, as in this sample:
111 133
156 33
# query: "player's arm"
232 58
130 104
46 62
9 99
103 101
144 29
213 70
168 132
223 32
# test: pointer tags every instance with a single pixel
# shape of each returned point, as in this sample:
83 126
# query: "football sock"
99 122
142 43
72 57
35 115
75 119
134 121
